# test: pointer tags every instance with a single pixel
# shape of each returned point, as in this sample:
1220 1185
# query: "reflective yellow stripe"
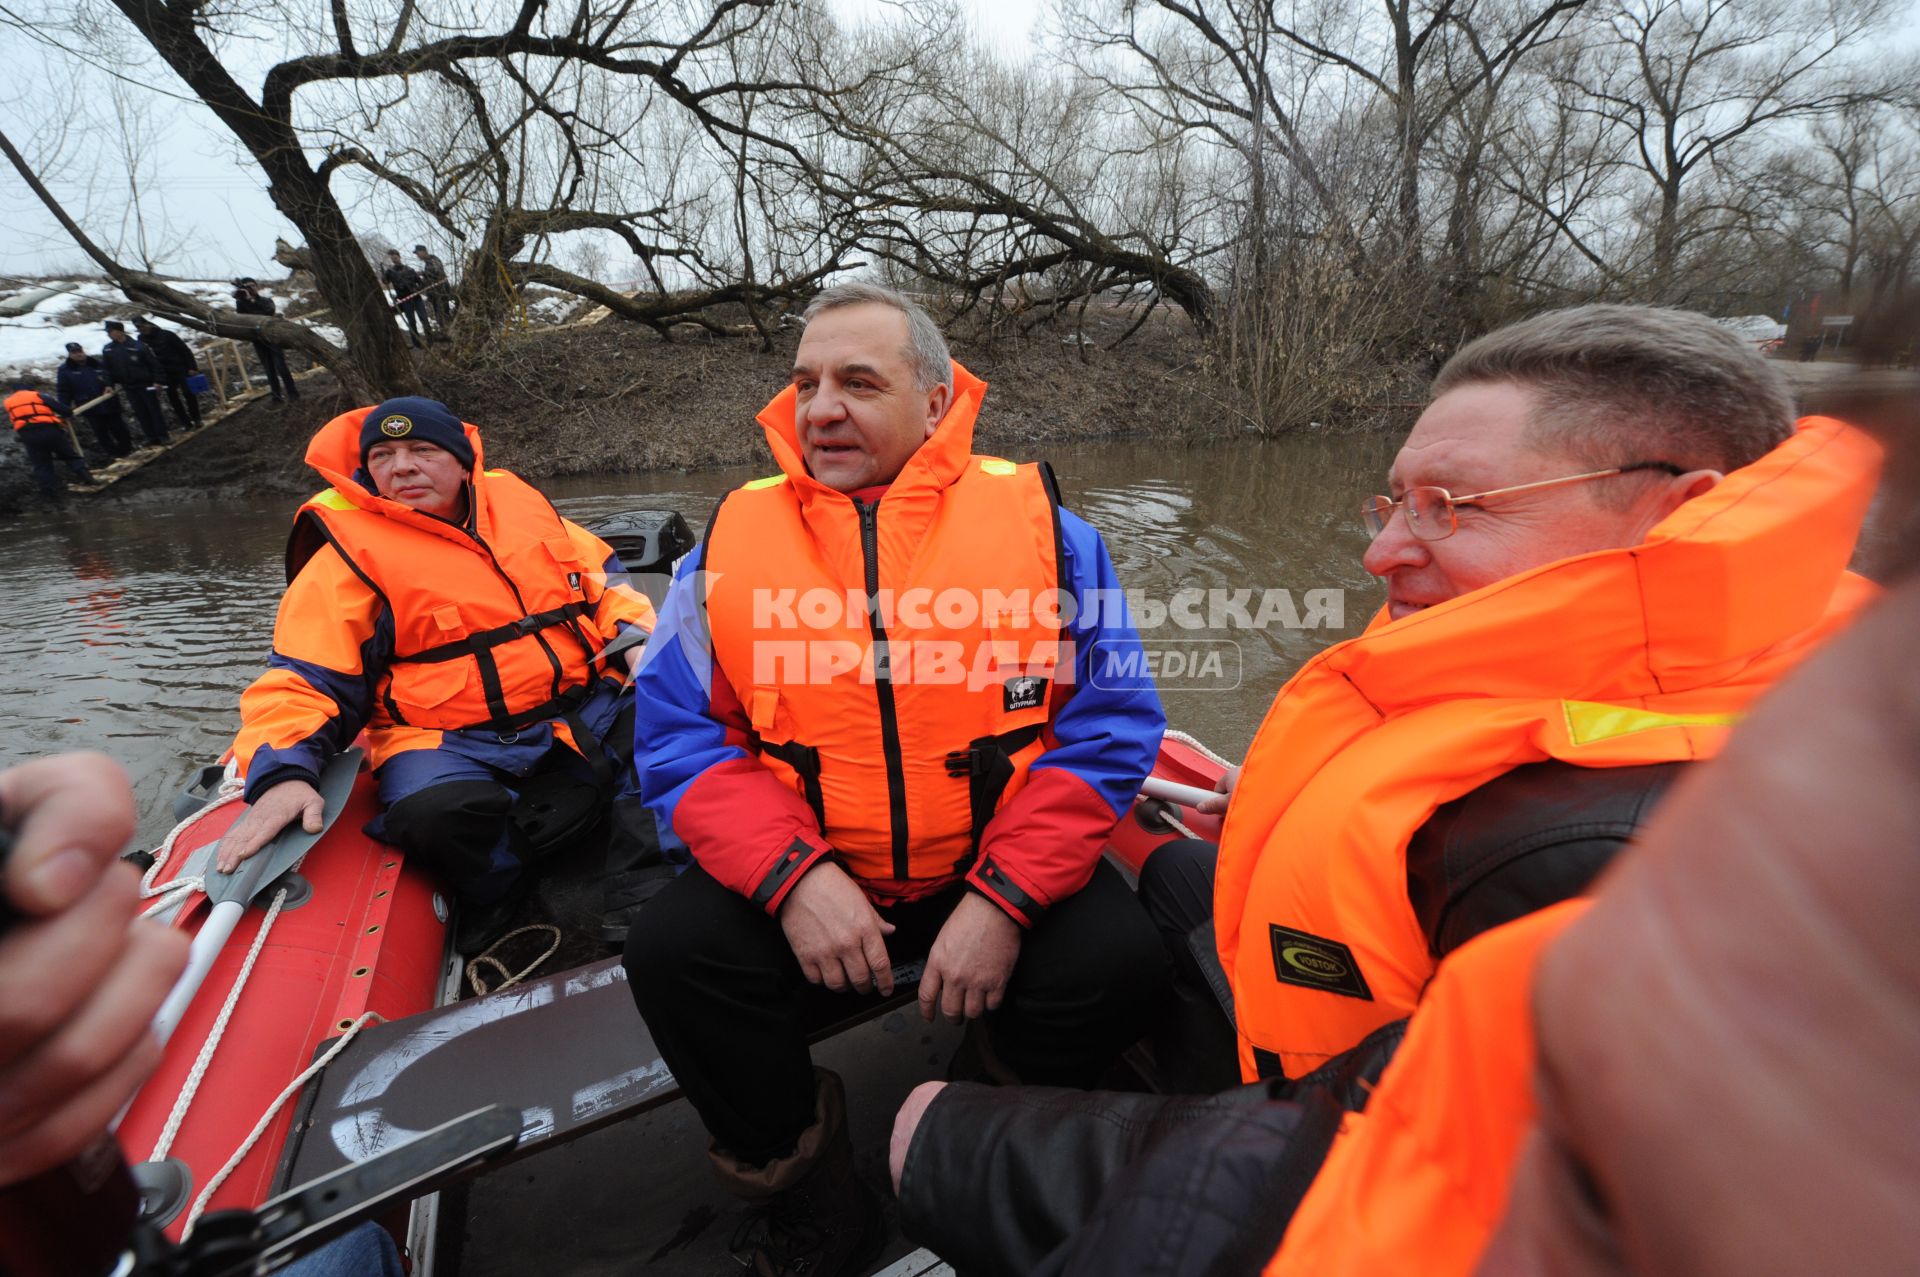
1592 721
994 465
332 499
771 481
493 473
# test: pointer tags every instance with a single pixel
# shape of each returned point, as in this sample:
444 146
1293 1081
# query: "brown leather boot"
818 1219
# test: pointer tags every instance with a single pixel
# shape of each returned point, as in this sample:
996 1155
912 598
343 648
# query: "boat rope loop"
232 788
199 1071
273 1110
1195 744
508 980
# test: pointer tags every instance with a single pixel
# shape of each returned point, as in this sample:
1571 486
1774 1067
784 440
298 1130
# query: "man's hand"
835 932
266 816
971 961
1224 788
81 983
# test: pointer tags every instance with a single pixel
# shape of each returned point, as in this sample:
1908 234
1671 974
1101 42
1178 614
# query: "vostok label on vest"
1313 962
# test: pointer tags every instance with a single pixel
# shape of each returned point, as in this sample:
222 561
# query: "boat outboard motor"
648 542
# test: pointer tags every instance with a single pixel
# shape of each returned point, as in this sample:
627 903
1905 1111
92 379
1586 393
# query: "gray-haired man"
924 771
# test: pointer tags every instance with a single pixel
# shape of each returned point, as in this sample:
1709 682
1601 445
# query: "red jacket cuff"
742 825
1042 846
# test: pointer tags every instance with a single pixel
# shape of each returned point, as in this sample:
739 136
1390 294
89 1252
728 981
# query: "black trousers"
146 411
110 429
1194 1043
730 1011
414 312
46 444
279 378
185 404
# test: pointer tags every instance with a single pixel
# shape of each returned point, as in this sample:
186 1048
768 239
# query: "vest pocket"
430 684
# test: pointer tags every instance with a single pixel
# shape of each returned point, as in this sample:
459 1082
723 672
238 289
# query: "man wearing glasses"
1604 537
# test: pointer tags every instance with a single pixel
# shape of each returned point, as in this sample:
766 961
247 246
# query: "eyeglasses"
1430 510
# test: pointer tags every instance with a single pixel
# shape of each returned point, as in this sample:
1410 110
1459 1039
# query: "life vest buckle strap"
485 640
513 724
805 761
987 765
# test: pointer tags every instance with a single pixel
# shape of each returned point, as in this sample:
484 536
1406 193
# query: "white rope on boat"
1178 828
231 789
273 1110
508 980
207 1048
1198 745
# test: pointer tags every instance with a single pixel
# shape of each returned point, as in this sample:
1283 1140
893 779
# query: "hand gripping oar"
1172 792
231 893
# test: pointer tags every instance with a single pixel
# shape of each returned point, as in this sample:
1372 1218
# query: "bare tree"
1695 87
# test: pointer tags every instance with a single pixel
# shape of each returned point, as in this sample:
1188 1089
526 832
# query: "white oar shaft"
1173 792
207 944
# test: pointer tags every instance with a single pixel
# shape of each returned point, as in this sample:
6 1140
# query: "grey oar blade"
291 843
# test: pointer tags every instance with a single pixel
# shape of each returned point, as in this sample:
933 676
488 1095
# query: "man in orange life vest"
890 749
1605 537
450 611
41 428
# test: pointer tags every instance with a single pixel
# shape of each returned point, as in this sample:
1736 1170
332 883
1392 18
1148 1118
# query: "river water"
132 627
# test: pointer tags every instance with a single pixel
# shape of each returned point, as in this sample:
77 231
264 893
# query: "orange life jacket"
30 408
1415 1186
488 625
903 758
1643 654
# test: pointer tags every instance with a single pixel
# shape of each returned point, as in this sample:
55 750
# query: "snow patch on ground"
35 340
553 308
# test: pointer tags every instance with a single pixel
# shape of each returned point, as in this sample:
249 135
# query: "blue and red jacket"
760 774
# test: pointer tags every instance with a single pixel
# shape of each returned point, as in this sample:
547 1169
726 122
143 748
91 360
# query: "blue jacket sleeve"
708 794
676 738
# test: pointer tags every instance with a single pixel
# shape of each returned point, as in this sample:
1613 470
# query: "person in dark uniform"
177 363
249 300
81 380
439 296
41 427
407 285
133 368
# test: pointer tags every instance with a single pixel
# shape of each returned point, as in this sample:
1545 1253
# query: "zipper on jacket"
883 686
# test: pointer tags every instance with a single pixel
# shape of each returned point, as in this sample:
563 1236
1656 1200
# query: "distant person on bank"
1603 539
82 378
177 363
407 286
881 808
449 611
250 299
40 426
136 371
439 295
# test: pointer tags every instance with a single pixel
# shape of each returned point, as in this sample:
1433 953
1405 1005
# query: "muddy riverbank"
616 399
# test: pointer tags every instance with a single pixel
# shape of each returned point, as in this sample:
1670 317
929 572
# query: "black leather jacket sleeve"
1533 837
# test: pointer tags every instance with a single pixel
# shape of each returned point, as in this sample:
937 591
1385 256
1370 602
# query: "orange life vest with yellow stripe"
1415 1186
30 408
1644 654
905 727
492 627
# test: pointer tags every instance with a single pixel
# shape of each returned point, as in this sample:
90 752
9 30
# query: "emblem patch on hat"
396 426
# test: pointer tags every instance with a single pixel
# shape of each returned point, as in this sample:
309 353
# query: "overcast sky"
215 202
